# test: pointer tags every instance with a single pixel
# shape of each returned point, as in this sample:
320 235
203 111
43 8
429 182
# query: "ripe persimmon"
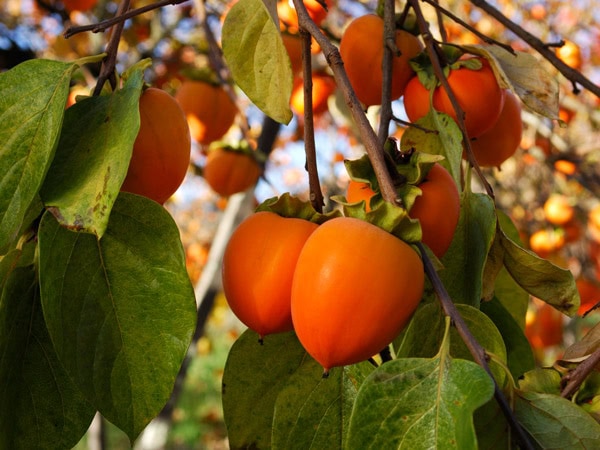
589 294
361 49
476 90
355 287
258 268
161 152
79 5
558 210
323 86
499 143
593 223
570 54
437 208
228 172
209 110
287 12
543 325
293 46
546 242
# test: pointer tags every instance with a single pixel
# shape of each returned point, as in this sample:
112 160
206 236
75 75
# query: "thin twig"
475 31
577 376
542 48
367 134
105 24
316 195
430 46
476 350
107 71
389 51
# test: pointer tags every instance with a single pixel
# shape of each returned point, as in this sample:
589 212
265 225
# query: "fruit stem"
476 350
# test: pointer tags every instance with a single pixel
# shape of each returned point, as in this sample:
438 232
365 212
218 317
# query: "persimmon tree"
97 310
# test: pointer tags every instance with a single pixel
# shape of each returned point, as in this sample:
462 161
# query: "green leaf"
464 262
312 412
32 102
555 422
491 427
120 310
417 403
518 351
254 375
424 335
436 134
540 277
257 58
40 406
92 158
541 380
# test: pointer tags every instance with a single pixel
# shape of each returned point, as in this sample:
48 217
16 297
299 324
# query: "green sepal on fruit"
412 168
286 205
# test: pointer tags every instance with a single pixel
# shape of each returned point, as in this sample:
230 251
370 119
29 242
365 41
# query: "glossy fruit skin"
79 5
293 45
209 110
589 293
416 99
361 49
258 268
323 86
355 287
287 13
437 208
161 152
476 91
499 143
229 172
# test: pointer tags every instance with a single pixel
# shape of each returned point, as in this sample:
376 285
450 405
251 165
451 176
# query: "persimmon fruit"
589 294
437 208
546 242
501 142
209 110
558 210
323 85
476 90
288 15
258 268
228 172
161 152
543 326
570 54
354 289
293 46
361 49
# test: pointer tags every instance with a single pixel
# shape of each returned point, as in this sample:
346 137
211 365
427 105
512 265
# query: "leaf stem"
476 350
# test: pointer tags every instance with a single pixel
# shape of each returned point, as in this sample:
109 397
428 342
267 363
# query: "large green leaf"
465 260
415 403
40 406
540 277
312 412
120 310
257 58
555 422
92 158
254 375
32 102
424 335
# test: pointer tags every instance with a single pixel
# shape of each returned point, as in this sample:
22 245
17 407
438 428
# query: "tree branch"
476 350
573 380
389 51
367 134
571 74
107 70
